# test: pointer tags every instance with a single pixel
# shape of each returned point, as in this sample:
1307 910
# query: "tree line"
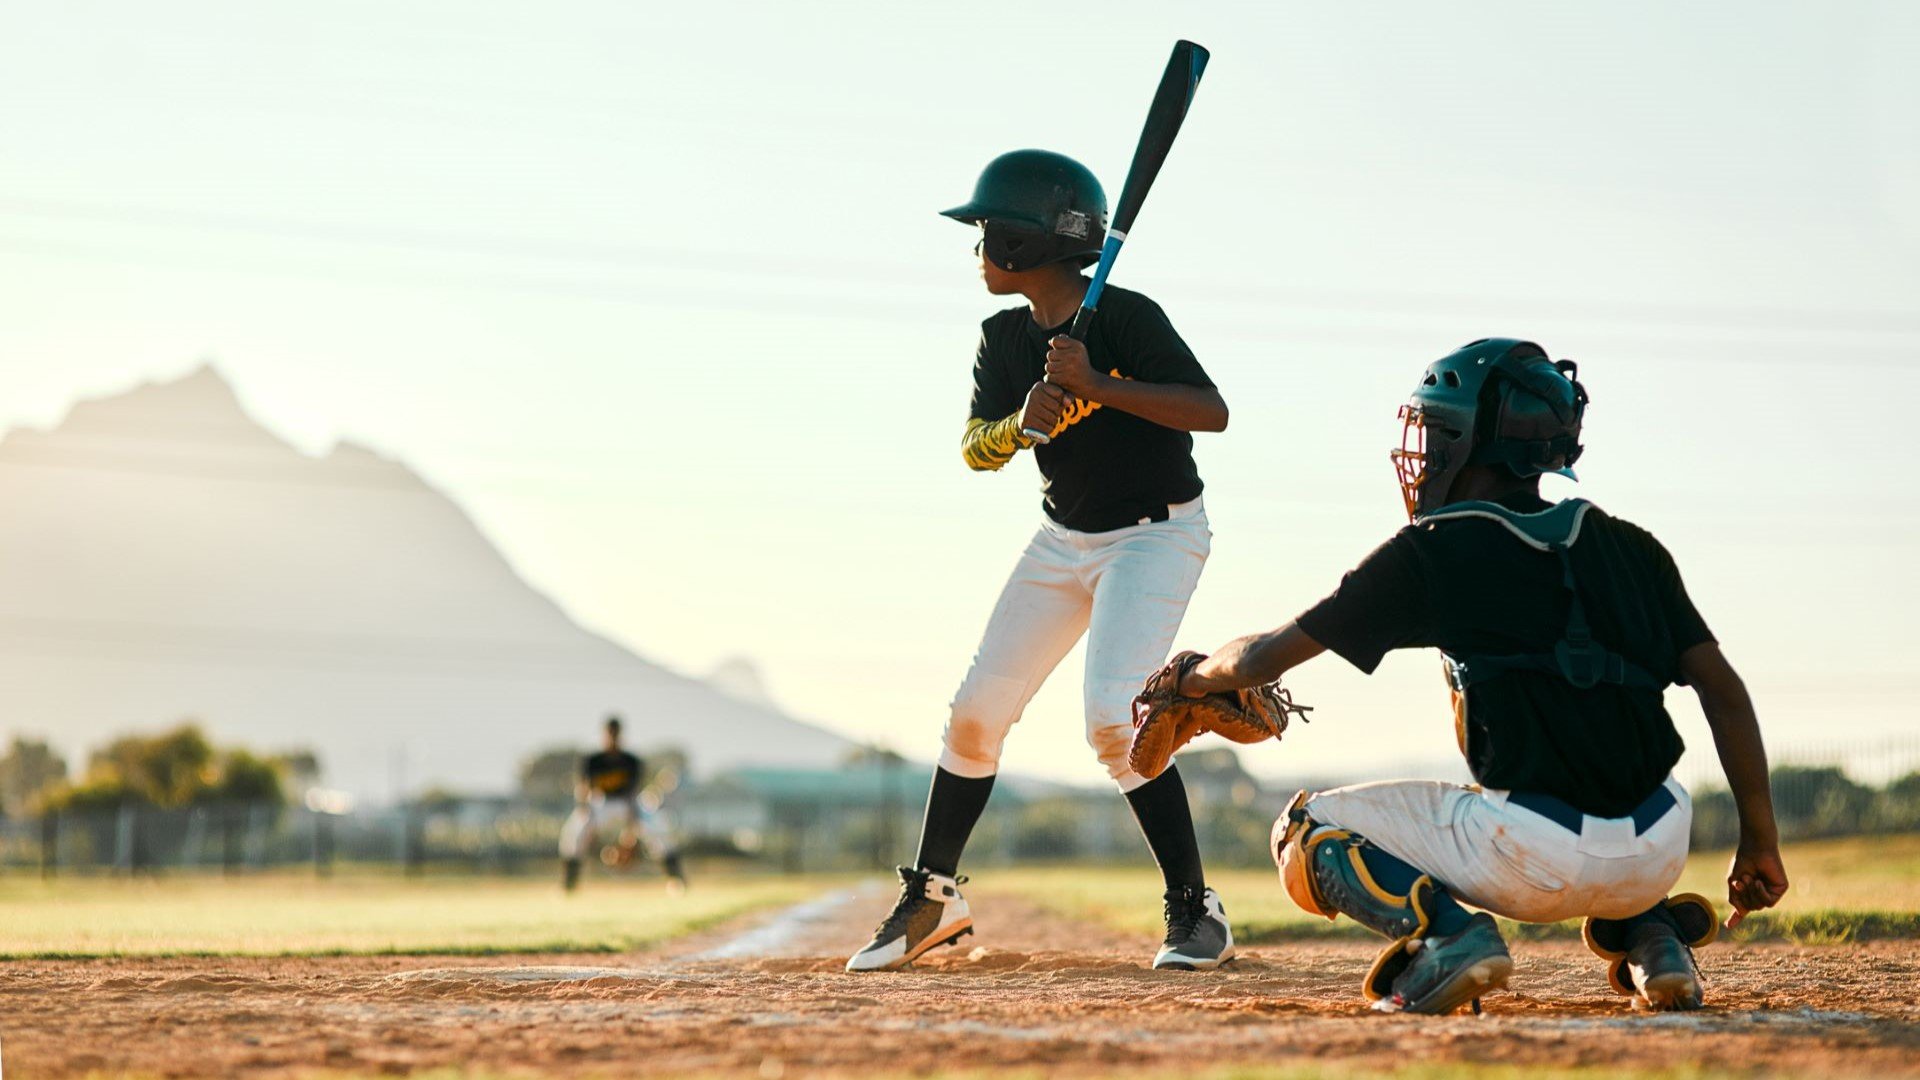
176 769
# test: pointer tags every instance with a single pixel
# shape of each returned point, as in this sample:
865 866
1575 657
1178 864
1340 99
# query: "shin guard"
1325 871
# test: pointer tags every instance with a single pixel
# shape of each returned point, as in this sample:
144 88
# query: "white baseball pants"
613 817
1126 590
1505 858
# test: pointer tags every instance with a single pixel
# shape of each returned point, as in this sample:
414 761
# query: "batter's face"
612 740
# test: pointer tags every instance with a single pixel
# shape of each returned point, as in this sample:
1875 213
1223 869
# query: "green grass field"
293 914
1842 890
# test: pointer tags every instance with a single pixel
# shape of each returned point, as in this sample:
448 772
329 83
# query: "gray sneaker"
1650 956
1198 937
1662 972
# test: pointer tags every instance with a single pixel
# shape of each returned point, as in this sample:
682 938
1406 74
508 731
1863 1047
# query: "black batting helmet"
1036 207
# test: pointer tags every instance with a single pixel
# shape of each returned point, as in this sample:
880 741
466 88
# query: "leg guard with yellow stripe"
1650 956
1326 871
1337 879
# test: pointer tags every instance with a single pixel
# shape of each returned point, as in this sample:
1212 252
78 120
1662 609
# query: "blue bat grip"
1108 252
1084 317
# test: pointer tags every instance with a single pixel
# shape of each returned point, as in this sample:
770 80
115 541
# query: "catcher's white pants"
1509 860
601 817
1126 590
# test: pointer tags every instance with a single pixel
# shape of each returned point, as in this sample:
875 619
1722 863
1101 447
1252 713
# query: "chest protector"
1576 657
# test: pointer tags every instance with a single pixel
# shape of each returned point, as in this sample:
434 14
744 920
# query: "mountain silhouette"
163 555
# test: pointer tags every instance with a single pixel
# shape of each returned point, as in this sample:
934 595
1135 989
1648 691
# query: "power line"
1233 293
493 245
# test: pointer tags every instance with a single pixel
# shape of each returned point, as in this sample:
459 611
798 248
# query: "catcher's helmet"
1036 207
1496 401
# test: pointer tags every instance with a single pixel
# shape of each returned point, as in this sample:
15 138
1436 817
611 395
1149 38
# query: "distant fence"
1819 791
236 838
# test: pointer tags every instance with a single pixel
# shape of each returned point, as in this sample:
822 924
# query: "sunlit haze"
662 300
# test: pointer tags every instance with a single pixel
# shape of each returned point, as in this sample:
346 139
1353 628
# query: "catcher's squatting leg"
1440 956
1649 956
1512 859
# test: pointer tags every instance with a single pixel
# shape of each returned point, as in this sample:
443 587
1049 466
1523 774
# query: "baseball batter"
609 802
1116 556
1560 626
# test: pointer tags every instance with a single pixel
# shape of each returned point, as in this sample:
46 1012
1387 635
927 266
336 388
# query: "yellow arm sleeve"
987 446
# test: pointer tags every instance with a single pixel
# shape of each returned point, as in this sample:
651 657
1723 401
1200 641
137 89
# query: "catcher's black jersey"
614 773
1107 468
1472 588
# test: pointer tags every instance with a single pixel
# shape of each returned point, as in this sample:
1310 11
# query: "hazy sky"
662 299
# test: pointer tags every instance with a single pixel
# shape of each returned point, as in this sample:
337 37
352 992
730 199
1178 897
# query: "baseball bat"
1164 116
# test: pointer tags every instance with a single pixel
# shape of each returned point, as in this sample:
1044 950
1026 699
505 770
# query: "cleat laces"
913 893
1184 910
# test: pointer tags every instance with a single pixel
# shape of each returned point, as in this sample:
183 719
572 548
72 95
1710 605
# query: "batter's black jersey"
613 773
1108 468
1472 588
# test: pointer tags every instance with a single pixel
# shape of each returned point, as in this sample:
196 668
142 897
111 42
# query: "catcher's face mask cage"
1432 450
1410 461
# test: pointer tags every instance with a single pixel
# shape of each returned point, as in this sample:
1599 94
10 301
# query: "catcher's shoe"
676 872
1441 972
1650 956
930 913
570 875
1198 937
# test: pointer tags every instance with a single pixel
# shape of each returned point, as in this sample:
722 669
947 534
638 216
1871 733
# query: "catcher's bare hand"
1166 717
1756 880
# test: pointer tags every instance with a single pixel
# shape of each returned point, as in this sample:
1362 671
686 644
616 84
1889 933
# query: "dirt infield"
767 998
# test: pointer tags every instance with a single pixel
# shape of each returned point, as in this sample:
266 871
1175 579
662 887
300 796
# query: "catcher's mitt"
1164 719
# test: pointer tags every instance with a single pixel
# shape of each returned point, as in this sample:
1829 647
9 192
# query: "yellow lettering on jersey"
1080 410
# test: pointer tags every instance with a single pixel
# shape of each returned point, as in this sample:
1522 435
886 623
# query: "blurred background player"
609 802
1561 626
1116 557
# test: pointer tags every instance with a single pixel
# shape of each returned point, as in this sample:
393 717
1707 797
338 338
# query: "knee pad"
1322 870
1286 843
1690 916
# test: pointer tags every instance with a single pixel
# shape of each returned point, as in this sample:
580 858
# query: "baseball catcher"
1560 627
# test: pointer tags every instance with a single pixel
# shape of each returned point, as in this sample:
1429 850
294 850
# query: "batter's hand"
1756 880
1045 403
1068 366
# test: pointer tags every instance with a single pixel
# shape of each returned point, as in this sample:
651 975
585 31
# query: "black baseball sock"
953 807
1160 806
